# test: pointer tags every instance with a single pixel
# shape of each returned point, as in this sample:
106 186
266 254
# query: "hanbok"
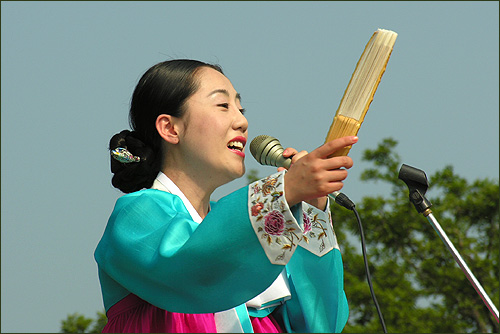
253 264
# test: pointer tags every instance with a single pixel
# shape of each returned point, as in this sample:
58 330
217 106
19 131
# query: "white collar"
162 182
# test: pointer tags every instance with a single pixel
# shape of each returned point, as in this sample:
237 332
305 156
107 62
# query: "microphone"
268 151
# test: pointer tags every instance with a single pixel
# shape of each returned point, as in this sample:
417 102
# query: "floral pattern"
273 222
257 208
307 223
277 229
321 237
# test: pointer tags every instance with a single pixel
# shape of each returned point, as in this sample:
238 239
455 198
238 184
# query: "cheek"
209 131
213 128
197 127
203 134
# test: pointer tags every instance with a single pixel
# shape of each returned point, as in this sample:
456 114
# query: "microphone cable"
343 200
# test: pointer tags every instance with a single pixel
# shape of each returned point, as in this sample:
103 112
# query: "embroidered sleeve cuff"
272 220
319 237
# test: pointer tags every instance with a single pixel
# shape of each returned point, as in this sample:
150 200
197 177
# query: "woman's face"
215 130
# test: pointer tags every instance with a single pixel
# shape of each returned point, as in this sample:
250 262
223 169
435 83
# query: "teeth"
235 144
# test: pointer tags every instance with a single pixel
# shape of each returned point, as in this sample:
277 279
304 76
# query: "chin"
243 170
237 173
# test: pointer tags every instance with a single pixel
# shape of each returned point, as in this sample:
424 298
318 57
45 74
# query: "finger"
289 151
335 186
338 162
328 188
337 175
331 147
298 156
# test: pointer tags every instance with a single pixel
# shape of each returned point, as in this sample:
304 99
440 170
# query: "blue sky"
68 70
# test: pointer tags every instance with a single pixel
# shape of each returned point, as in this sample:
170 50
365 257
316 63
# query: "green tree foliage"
252 176
419 286
78 323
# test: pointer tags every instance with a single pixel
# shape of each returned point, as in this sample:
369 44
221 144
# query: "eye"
226 106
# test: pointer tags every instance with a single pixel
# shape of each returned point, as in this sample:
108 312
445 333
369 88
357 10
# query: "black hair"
163 89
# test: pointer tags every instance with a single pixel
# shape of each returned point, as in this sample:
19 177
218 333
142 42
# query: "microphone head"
256 146
268 151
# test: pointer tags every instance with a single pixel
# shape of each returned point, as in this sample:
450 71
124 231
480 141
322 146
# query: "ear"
168 126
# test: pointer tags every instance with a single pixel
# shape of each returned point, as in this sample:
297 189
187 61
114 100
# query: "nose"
240 122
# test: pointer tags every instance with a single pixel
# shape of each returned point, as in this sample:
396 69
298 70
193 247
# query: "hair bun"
129 177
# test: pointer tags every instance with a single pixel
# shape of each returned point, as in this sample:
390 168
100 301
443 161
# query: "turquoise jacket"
152 248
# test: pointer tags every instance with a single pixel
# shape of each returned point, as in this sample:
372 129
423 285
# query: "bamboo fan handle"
362 87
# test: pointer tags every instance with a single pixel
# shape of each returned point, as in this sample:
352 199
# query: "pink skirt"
134 315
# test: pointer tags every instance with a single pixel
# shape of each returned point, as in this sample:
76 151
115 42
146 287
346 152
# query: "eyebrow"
225 92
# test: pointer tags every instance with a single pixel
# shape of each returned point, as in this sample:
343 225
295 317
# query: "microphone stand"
416 181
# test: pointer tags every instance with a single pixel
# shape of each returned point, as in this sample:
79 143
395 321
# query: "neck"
197 191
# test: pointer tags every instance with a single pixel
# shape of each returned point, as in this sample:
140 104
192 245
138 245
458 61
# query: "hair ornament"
123 155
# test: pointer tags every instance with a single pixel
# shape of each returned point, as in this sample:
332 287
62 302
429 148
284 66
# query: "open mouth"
237 144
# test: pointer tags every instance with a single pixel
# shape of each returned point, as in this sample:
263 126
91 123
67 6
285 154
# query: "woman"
261 259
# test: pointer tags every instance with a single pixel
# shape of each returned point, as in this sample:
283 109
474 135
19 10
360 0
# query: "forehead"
211 82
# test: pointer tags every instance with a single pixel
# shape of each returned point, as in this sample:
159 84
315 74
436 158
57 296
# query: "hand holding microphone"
310 176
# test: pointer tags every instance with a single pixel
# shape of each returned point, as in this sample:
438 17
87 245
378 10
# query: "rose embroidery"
307 223
277 230
274 223
257 208
316 230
